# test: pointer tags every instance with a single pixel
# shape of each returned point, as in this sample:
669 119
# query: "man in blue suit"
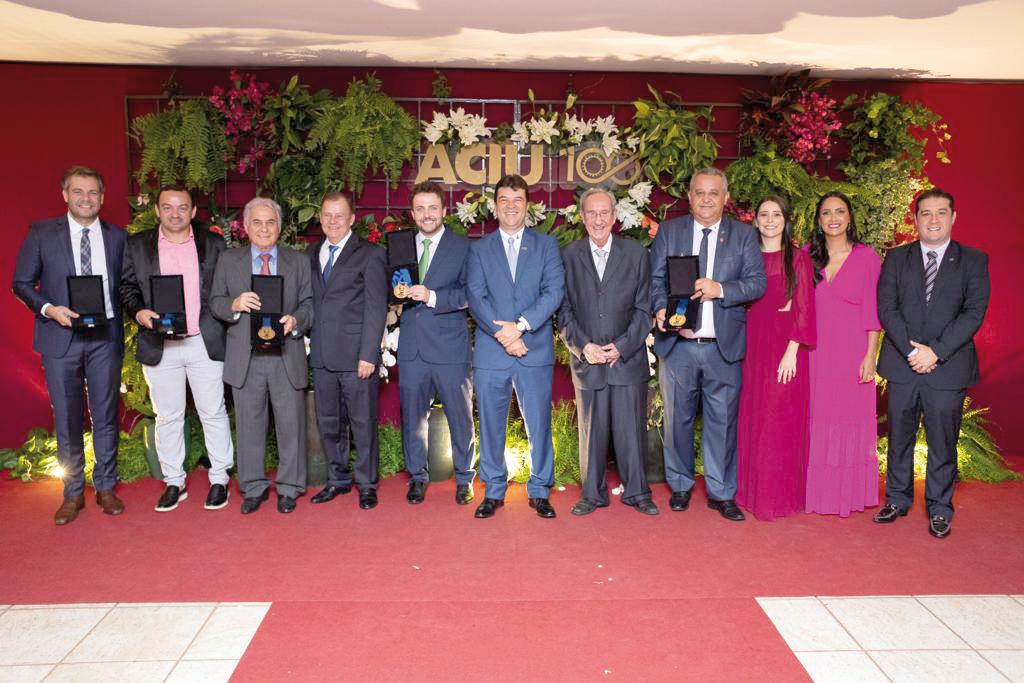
514 285
433 347
77 243
703 364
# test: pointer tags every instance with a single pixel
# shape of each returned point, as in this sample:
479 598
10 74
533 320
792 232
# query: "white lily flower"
490 206
391 339
535 214
382 372
627 213
432 134
569 210
458 118
466 211
605 125
544 130
641 193
610 144
386 359
632 142
520 135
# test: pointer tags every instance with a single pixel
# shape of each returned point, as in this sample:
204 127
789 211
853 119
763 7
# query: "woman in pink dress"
842 470
772 436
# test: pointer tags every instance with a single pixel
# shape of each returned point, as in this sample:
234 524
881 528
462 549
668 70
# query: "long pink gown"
842 469
772 434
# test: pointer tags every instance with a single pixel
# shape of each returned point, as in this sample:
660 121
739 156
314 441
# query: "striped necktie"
930 271
85 253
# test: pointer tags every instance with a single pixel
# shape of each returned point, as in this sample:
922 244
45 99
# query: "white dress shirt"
325 251
939 251
517 244
434 239
98 257
607 248
707 311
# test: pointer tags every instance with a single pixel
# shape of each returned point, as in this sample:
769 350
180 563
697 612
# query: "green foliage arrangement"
392 456
297 185
768 114
885 127
364 131
293 111
184 143
674 141
37 457
882 210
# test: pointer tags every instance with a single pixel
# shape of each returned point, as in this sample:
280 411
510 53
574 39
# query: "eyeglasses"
591 215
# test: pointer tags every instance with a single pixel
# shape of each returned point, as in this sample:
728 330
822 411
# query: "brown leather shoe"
110 503
68 510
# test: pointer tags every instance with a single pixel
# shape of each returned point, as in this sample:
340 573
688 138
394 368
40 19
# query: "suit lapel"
152 252
351 246
586 260
108 256
438 254
915 272
685 247
499 255
947 271
724 230
64 243
614 262
526 249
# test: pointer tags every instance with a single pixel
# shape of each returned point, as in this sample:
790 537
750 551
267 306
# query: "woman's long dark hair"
787 240
819 250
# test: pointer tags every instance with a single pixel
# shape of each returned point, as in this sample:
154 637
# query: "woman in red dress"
773 418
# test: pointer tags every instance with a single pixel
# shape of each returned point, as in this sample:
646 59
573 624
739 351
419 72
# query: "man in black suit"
78 243
433 347
604 320
350 299
932 296
177 248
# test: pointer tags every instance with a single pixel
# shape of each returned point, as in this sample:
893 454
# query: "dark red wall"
58 115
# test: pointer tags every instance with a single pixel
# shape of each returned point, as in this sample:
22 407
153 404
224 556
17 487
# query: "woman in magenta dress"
842 470
772 436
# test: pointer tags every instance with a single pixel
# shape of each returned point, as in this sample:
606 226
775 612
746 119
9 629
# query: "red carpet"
404 592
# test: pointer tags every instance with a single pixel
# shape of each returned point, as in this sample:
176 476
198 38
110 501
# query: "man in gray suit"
604 321
703 364
255 375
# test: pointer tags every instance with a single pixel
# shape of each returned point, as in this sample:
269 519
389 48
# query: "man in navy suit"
350 298
932 297
433 347
514 284
703 364
78 243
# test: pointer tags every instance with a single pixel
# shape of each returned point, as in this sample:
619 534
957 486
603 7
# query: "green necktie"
424 260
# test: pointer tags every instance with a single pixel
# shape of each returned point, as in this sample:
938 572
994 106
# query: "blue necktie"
331 248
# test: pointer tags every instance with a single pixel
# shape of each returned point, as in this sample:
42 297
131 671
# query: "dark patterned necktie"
930 271
331 248
702 263
85 253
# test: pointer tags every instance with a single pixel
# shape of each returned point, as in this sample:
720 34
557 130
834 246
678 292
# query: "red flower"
217 229
374 235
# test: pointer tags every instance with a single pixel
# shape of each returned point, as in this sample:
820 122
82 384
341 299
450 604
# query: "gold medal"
677 320
266 333
401 290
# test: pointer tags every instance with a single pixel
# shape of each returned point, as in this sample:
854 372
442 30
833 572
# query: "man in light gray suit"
703 364
255 375
604 321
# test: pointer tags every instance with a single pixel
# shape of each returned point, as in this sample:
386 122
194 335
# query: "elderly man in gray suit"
257 375
604 320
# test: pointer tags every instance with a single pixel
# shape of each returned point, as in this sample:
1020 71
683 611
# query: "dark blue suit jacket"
738 266
947 323
45 261
535 295
440 334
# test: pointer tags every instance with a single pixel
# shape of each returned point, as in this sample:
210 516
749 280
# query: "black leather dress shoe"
285 504
543 507
463 494
939 527
417 489
251 505
488 507
368 499
216 498
728 509
171 497
679 501
889 513
583 507
330 493
646 506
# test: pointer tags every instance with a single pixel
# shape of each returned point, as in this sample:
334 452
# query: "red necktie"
265 268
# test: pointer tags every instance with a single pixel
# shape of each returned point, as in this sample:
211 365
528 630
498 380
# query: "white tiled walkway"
171 642
929 638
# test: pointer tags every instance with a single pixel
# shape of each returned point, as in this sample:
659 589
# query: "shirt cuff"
42 311
238 314
913 352
432 299
525 322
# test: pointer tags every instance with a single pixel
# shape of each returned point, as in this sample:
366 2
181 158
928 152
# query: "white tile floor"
135 642
929 638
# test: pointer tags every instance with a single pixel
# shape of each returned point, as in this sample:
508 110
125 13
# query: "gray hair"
594 191
265 202
711 170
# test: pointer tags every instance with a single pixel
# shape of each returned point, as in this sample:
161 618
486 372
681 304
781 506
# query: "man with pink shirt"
197 358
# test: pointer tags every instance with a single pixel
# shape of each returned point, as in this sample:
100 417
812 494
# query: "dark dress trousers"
141 260
611 401
258 378
434 358
947 323
709 374
351 308
75 361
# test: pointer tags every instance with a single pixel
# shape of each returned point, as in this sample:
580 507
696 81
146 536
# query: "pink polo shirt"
183 259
